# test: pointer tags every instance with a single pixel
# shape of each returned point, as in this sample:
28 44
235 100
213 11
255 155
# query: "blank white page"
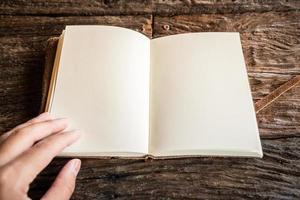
200 97
103 88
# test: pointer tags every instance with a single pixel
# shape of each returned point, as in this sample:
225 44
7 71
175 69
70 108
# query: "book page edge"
54 74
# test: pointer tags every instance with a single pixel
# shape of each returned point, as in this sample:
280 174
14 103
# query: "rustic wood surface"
270 32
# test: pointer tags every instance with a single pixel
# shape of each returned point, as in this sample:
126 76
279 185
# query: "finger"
64 184
42 117
21 140
35 159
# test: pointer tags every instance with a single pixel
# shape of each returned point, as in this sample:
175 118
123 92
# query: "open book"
180 95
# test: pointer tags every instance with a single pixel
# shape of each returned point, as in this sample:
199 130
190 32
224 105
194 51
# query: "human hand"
27 149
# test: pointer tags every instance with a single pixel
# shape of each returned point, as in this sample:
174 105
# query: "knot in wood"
166 27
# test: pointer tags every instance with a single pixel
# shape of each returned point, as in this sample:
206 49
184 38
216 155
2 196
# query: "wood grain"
53 26
190 7
134 7
276 176
270 36
282 117
263 84
22 52
274 95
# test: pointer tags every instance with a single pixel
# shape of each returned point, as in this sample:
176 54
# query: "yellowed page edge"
54 74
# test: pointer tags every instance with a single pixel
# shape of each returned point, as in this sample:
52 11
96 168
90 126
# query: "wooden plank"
133 7
171 7
276 176
23 41
21 64
53 26
79 7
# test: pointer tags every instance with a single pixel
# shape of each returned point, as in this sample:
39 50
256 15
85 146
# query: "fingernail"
75 166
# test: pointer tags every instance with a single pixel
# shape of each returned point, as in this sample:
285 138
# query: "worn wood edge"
133 7
171 7
270 98
52 26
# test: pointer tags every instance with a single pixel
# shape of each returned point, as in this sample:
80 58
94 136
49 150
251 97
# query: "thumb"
64 184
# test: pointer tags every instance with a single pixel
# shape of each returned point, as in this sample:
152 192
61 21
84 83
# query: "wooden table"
270 32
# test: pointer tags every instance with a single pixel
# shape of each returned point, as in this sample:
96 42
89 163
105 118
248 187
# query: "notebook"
174 96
